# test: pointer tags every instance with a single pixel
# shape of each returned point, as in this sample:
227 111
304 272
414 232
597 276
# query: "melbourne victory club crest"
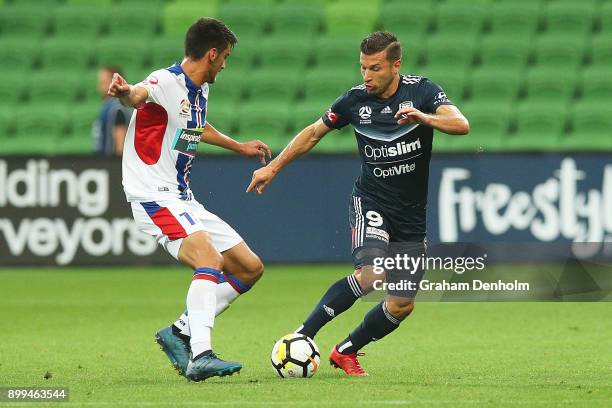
365 112
405 104
185 109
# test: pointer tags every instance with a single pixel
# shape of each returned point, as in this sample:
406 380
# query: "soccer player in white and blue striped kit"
168 123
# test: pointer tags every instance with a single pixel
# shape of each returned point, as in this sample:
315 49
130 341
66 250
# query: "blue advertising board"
71 210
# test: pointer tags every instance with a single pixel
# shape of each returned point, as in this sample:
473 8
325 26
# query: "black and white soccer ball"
295 355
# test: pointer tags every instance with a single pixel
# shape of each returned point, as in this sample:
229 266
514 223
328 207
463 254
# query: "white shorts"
169 221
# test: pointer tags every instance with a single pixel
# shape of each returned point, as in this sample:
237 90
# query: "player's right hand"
118 86
261 178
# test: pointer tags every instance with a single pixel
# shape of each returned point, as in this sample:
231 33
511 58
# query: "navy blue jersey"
395 158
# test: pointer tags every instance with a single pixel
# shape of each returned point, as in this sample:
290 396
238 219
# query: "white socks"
201 305
226 294
210 290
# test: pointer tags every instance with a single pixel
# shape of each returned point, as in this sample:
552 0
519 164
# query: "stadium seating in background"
337 54
514 20
246 20
538 126
165 51
223 117
307 113
342 141
39 135
178 15
24 21
258 121
80 22
410 24
530 75
134 21
490 133
287 54
500 51
17 54
351 18
322 86
301 20
606 18
575 18
550 85
453 81
560 51
89 2
79 125
127 52
48 89
272 89
596 84
70 54
456 52
495 86
591 123
460 20
13 89
244 55
601 51
229 87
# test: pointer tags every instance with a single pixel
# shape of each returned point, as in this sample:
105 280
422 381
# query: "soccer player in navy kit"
394 117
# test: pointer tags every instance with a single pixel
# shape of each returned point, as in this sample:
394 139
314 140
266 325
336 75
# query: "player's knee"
256 269
212 259
400 308
366 278
250 270
197 252
216 260
366 274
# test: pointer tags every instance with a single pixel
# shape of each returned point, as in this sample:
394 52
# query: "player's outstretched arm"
127 94
447 119
302 143
254 148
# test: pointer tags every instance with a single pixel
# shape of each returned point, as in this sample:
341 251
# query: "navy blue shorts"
373 226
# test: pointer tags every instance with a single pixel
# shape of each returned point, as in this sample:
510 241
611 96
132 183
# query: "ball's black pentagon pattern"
278 367
289 359
314 350
303 364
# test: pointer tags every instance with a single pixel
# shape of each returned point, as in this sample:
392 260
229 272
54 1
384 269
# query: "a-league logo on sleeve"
441 97
151 80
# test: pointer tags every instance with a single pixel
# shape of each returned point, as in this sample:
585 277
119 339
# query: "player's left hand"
410 115
256 148
261 178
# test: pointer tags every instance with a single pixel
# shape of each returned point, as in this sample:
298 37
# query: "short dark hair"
380 41
206 34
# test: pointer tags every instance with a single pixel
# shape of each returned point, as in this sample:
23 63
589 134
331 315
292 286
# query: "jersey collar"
176 69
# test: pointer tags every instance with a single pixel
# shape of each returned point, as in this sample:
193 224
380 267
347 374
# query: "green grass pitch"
92 330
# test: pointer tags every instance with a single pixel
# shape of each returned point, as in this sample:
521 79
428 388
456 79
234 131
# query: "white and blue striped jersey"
163 137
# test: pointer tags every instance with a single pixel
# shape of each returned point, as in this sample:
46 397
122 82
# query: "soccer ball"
295 355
